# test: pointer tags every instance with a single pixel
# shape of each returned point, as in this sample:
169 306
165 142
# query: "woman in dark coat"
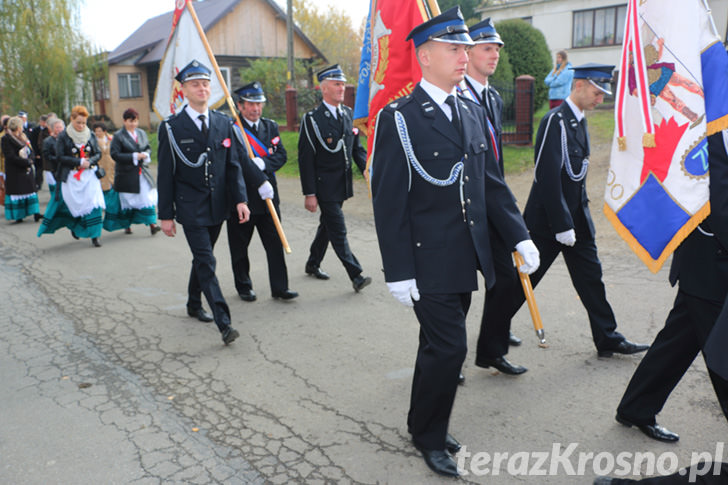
21 199
132 180
78 201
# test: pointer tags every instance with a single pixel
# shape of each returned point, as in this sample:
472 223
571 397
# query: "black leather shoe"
154 229
200 314
37 217
285 294
451 444
229 335
74 235
654 431
360 282
248 295
502 364
95 242
624 347
439 461
461 379
513 340
316 272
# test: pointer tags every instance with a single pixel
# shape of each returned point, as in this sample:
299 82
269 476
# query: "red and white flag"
184 45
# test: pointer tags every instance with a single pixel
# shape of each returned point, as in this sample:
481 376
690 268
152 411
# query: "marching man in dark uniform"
557 212
483 58
328 144
700 264
436 185
265 141
200 182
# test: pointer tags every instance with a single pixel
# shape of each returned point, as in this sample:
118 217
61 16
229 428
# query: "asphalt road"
106 380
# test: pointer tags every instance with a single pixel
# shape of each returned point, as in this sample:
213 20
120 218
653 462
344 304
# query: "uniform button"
482 145
472 223
468 201
436 154
466 156
419 244
467 179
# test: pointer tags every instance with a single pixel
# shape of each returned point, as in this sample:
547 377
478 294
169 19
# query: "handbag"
100 173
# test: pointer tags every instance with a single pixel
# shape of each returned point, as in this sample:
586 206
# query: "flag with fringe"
184 45
388 69
672 93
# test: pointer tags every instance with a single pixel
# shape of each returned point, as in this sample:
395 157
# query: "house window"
599 26
225 71
528 20
130 85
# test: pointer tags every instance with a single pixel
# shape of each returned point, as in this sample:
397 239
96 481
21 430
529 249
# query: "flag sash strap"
257 145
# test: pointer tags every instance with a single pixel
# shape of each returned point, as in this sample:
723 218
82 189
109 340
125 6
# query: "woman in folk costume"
111 197
21 200
133 181
78 199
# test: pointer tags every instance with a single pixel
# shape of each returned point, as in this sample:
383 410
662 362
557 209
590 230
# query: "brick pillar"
291 109
524 110
349 95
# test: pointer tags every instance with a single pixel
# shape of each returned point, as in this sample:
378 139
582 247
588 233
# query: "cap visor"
254 99
460 38
601 86
488 40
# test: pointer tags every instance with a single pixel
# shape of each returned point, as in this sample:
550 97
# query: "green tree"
46 62
527 52
272 75
333 33
467 7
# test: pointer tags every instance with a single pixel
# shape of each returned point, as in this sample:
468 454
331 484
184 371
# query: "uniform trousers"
440 357
669 357
201 240
239 236
495 327
586 276
332 227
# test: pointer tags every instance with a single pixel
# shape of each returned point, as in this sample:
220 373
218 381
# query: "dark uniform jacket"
50 163
126 174
324 174
206 195
495 114
18 170
428 232
269 135
69 156
556 202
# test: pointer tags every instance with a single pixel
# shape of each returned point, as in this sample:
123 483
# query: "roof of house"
150 40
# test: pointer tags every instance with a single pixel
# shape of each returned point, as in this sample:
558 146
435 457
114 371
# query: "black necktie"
203 128
455 118
254 129
586 134
488 109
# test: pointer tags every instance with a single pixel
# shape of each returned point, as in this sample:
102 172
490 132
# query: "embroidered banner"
184 45
388 68
672 92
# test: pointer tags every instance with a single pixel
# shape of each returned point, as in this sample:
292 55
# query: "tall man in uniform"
200 182
327 145
700 264
557 212
270 155
483 58
436 185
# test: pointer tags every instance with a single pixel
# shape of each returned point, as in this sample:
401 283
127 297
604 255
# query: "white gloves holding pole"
265 190
530 255
567 238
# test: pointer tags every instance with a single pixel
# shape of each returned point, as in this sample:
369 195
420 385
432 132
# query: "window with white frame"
130 85
599 26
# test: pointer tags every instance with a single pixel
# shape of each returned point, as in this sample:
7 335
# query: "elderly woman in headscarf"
78 201
21 199
132 180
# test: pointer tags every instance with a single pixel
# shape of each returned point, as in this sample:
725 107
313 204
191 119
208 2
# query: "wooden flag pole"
531 299
231 105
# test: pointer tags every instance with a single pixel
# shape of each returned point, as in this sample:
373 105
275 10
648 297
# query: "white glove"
567 238
405 291
531 259
265 190
259 162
